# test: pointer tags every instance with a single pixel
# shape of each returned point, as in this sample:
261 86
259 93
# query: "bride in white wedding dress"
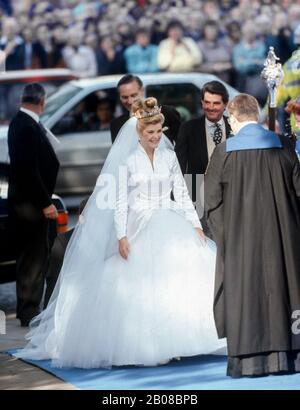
136 286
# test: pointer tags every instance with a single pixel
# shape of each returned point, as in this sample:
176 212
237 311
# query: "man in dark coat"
130 88
33 171
252 192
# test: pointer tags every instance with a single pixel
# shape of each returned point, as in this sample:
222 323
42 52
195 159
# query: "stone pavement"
18 375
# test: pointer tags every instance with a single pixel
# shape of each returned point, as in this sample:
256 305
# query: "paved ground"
18 375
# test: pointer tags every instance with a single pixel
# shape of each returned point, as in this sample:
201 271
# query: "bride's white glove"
202 236
124 247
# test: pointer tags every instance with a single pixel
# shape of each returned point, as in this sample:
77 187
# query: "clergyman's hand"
124 247
201 235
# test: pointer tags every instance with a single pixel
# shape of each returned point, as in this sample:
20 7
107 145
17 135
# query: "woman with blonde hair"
136 286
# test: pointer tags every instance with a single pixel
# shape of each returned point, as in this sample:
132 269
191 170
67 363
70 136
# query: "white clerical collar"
32 114
247 123
213 124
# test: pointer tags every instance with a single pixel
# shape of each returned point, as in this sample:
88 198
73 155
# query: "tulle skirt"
144 311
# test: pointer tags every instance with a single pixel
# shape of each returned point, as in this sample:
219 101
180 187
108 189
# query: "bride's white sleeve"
121 210
181 194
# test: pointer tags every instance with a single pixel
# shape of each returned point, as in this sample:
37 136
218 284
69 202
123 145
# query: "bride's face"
151 135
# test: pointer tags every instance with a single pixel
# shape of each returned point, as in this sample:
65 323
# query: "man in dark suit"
198 137
130 88
33 171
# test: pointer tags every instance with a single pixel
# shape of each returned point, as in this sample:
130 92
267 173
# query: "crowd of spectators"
229 38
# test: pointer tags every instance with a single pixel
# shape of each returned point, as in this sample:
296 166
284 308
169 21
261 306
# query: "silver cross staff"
273 76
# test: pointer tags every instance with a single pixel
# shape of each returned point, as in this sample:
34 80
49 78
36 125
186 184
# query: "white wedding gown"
148 309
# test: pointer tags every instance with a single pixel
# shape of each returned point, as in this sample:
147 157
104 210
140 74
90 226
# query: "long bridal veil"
93 241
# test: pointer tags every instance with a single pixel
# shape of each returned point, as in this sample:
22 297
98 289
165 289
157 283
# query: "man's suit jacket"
191 146
33 163
172 121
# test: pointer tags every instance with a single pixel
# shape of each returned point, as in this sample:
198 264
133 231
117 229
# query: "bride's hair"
147 112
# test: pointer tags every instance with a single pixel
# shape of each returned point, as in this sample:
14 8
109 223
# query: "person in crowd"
91 40
124 34
196 21
43 37
233 34
12 44
282 33
248 61
157 31
35 55
58 42
110 60
141 57
211 10
216 57
78 57
178 53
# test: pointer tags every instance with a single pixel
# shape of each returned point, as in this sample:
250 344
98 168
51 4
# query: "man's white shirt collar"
247 123
32 114
213 124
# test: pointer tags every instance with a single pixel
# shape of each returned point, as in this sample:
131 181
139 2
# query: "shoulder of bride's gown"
169 155
166 151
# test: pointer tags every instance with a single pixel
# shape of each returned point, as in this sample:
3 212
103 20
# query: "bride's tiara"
146 114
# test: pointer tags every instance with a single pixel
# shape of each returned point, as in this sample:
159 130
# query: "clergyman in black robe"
252 205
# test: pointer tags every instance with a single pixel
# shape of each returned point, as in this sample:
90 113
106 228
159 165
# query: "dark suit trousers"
32 258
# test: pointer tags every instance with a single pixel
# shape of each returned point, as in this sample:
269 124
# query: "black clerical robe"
252 205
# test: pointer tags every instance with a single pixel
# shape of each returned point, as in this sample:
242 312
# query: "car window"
57 100
184 97
93 113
